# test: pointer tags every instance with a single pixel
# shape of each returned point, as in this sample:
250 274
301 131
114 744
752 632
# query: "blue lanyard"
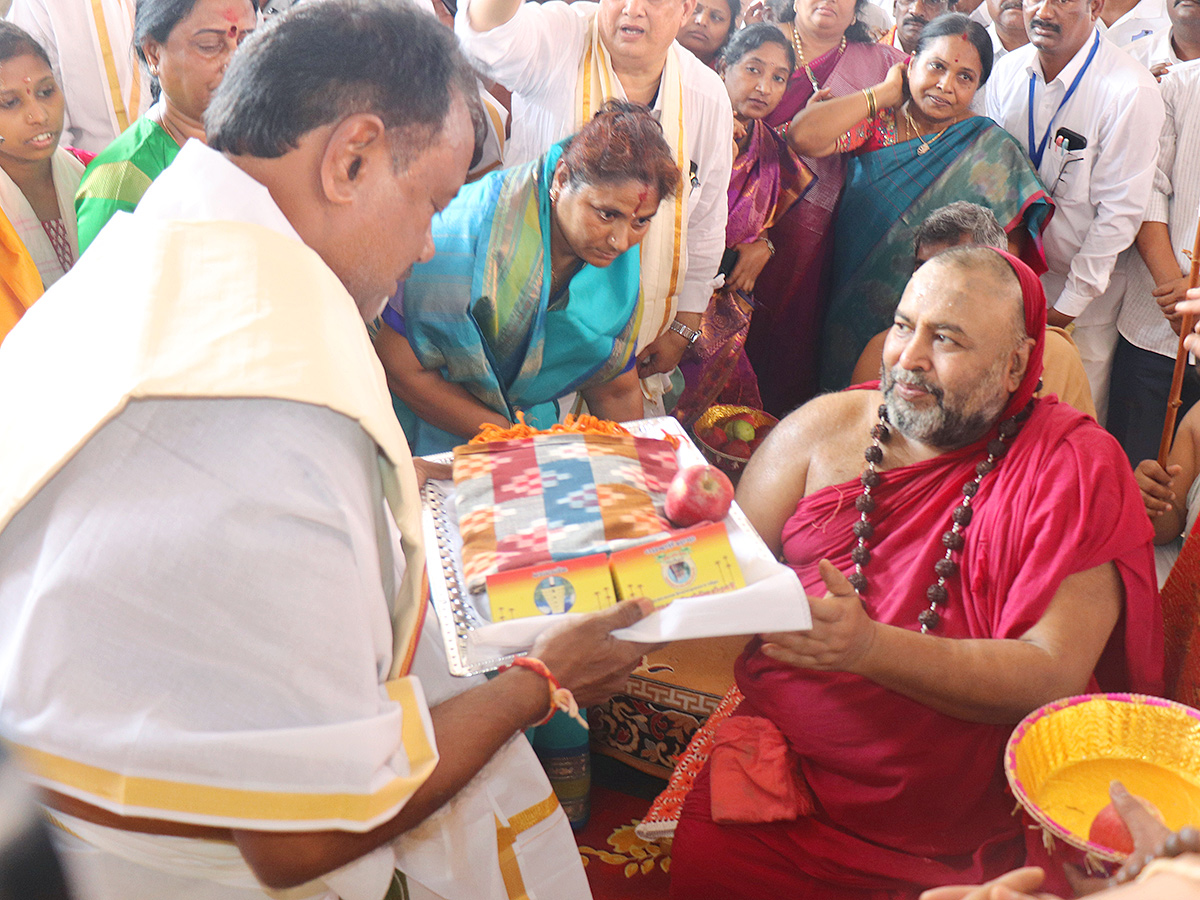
1036 153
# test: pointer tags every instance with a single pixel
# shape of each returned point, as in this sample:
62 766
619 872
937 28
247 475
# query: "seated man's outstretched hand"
584 656
841 635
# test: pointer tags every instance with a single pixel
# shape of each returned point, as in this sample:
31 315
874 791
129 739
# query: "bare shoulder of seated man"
969 554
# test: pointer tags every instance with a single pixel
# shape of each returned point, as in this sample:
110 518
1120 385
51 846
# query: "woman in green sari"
533 291
185 45
916 147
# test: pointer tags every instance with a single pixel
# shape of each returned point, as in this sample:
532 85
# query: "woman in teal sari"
917 148
533 292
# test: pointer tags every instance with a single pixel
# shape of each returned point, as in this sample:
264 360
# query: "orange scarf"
20 284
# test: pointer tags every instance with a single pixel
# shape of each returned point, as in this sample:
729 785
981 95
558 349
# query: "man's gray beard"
939 426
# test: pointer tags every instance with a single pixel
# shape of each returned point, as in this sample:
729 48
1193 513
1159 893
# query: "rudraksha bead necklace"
952 540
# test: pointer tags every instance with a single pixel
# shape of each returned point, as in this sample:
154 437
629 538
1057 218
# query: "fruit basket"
1062 757
730 463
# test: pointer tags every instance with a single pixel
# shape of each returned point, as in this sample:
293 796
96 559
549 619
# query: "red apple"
742 417
1109 829
698 494
740 449
716 438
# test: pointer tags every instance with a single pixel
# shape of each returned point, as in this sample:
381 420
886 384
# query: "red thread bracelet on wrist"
560 697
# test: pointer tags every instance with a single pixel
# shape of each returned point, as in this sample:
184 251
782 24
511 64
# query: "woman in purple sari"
836 56
767 180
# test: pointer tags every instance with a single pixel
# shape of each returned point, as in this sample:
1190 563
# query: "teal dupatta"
888 194
480 312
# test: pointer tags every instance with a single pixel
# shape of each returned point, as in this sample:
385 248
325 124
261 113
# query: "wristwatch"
691 335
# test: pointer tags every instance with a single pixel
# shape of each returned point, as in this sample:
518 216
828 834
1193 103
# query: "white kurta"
1100 191
201 598
67 172
1175 201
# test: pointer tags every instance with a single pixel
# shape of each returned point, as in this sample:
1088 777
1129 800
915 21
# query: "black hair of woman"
958 25
751 38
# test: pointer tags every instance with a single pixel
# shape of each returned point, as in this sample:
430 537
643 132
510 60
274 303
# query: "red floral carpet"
619 865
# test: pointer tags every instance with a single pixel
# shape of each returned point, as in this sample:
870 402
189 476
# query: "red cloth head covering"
1034 299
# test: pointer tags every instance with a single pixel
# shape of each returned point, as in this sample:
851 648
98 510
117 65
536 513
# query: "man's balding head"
994 282
958 348
357 116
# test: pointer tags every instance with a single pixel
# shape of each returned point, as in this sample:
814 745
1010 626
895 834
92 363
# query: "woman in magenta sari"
767 180
836 56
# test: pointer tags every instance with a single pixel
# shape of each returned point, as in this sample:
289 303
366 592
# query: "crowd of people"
258 258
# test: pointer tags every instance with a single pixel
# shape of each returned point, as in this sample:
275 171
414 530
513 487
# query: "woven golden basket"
724 461
1061 759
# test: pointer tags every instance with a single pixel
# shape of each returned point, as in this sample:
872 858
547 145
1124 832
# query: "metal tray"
458 610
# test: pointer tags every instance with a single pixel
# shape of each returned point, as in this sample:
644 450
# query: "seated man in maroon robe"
990 555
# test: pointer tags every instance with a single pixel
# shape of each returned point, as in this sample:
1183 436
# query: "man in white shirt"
215 656
911 17
1006 26
1126 22
1168 46
1156 272
90 45
535 50
1092 108
975 10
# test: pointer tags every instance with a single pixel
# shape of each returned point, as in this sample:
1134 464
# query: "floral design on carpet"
635 856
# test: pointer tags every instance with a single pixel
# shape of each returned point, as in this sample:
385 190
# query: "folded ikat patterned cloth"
531 500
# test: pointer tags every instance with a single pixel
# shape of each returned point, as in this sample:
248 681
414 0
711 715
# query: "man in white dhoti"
214 658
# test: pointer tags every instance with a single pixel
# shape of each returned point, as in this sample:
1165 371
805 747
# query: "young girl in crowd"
767 179
38 242
835 52
712 24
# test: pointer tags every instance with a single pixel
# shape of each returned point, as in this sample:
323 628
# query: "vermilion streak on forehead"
639 212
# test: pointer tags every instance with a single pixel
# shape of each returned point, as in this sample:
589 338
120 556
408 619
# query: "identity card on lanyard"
1037 152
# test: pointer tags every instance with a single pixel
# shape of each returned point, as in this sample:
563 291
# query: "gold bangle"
872 109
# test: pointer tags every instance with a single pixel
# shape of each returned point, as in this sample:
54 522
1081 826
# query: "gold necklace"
174 135
925 144
798 46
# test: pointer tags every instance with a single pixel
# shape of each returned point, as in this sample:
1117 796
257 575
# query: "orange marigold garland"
572 424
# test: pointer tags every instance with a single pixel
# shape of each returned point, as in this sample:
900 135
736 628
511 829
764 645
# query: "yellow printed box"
575 585
690 563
